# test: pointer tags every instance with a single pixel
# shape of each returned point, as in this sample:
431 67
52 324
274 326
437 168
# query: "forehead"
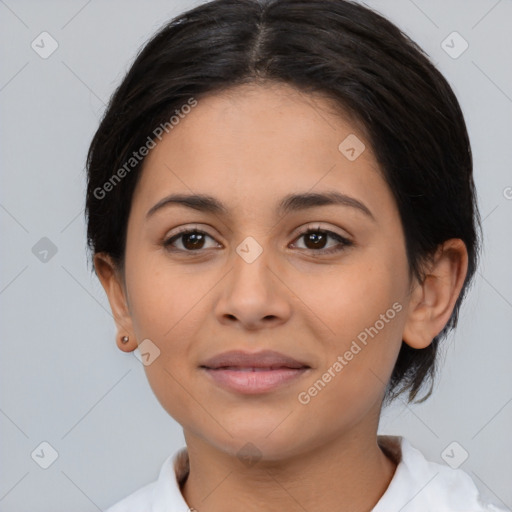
257 142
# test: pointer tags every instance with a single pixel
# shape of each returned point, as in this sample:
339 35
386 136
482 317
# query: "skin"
249 147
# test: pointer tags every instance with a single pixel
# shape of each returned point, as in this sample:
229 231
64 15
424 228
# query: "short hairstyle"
340 49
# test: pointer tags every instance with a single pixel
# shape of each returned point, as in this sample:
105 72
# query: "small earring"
125 339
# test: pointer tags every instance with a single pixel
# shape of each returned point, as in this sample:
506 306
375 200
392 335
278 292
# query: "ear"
113 284
432 301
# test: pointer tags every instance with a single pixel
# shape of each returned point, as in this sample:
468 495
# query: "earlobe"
112 283
125 343
432 301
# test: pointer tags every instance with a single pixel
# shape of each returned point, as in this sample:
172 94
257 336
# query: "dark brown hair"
340 49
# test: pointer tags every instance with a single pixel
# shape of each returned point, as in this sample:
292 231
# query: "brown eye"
315 240
191 240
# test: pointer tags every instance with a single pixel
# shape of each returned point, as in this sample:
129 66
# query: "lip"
254 382
253 373
263 359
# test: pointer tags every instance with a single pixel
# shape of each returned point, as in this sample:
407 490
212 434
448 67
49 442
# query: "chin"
261 441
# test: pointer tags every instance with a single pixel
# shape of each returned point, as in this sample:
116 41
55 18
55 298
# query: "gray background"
63 380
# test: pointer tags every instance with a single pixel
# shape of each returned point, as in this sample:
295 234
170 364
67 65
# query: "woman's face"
252 281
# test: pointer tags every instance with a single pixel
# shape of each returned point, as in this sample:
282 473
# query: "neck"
350 473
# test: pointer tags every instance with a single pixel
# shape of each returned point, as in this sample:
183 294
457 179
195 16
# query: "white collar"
418 485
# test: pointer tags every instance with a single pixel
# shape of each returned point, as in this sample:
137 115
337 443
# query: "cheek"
359 360
353 296
361 307
161 296
162 311
166 308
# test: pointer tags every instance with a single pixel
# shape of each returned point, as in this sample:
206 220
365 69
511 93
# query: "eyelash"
186 231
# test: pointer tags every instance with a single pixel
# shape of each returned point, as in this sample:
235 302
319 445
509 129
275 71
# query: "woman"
282 213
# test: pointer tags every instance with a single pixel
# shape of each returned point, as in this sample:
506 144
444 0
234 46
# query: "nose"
253 295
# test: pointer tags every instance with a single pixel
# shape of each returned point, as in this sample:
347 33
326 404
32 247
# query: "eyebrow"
290 203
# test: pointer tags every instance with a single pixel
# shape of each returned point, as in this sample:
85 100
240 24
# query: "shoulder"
162 494
138 500
420 485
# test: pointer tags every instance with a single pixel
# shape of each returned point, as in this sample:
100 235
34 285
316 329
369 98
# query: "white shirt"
418 485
